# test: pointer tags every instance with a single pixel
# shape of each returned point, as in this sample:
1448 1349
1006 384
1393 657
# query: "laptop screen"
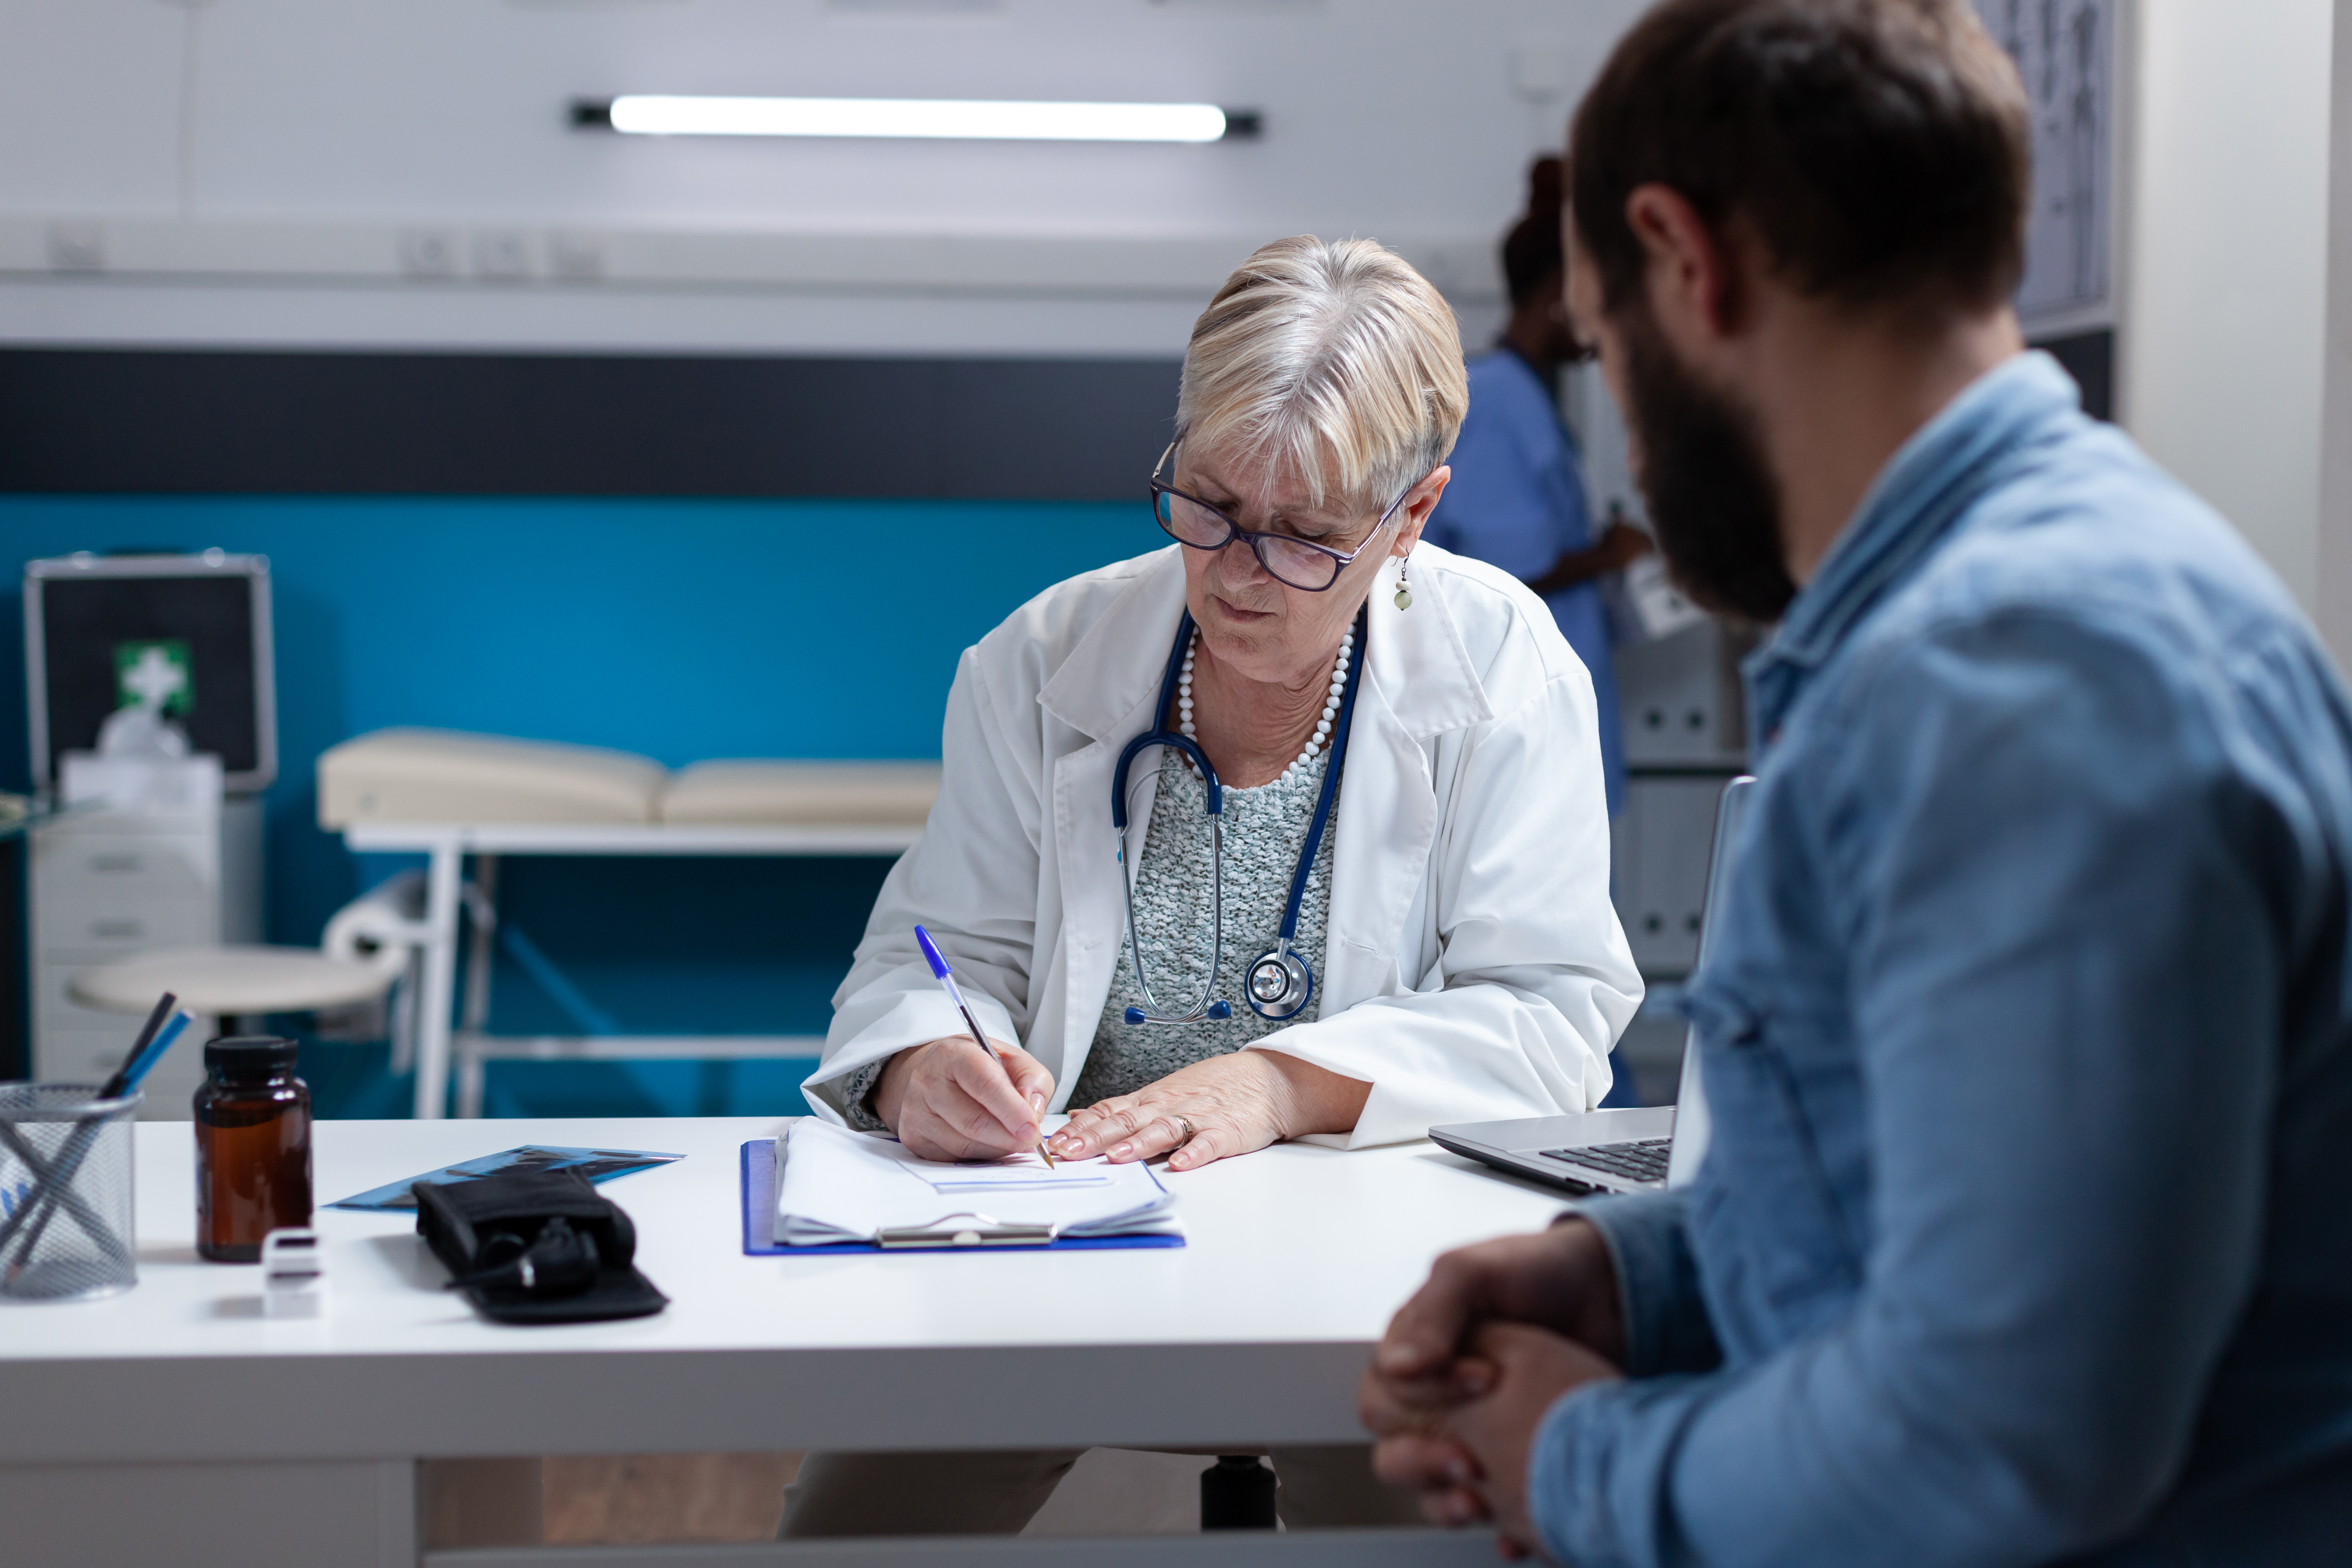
1692 1128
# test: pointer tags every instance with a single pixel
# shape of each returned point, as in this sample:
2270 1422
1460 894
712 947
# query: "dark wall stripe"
133 422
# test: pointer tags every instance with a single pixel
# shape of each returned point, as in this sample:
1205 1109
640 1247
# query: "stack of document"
836 1185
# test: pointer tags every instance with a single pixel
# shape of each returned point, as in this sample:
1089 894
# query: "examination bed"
448 796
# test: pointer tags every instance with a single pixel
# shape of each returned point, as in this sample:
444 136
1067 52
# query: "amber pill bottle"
253 1146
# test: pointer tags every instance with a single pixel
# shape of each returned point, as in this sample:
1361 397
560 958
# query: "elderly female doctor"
1450 952
1399 912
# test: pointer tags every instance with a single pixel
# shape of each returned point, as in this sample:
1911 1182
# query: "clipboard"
759 1198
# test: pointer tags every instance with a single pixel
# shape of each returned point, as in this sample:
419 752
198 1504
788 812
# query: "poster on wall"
2065 51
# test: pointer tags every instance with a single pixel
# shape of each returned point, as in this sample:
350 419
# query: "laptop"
1631 1150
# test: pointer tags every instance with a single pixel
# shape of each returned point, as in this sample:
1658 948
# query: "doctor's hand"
1223 1106
947 1100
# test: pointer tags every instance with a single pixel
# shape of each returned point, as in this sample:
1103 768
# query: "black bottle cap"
242 1056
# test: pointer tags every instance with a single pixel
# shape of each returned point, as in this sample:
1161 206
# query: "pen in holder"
65 1193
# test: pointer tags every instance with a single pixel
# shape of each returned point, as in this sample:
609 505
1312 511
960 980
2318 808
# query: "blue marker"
141 1064
955 993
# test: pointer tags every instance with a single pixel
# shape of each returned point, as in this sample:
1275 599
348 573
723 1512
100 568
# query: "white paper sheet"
1016 1172
833 1184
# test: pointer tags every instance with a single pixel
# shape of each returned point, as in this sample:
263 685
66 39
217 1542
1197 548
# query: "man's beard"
1713 503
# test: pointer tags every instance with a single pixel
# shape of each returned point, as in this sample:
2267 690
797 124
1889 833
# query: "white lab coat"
1474 968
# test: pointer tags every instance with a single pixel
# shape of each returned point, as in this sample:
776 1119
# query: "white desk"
235 1440
446 845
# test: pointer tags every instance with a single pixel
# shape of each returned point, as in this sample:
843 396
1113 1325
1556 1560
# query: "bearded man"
2022 1234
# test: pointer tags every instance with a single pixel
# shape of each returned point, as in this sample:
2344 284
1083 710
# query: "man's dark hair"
1532 254
1880 150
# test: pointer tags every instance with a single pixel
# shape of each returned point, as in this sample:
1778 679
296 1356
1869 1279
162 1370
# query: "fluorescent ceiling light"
649 114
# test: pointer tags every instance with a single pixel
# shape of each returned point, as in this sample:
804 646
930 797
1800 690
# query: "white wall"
2225 286
267 170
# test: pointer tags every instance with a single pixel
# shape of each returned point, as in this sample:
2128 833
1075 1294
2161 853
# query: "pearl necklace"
1315 742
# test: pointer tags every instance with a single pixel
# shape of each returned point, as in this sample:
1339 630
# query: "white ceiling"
263 121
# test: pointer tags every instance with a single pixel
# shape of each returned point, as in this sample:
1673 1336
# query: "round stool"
231 983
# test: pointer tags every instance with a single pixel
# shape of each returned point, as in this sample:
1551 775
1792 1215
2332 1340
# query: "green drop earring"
1404 589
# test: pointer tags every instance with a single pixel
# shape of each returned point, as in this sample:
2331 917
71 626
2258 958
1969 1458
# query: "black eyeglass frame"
1342 559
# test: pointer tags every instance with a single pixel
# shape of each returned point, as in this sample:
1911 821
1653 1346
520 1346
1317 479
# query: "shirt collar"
1932 478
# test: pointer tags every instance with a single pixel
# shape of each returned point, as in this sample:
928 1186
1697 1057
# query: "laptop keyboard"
1643 1160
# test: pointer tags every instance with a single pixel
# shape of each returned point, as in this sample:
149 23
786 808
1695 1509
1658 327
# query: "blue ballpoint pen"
946 978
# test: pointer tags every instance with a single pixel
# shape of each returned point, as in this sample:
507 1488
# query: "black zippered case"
537 1246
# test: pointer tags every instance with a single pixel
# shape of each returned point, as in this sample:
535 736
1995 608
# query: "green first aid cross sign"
156 674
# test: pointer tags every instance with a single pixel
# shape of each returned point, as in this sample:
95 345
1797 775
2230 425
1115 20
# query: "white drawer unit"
1661 843
98 932
105 885
1681 699
173 857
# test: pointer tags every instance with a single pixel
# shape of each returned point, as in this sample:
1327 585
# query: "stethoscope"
1278 984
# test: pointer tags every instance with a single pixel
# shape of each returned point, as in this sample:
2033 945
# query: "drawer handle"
117 928
105 863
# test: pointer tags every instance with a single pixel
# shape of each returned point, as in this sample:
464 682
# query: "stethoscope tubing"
1204 1006
1207 1006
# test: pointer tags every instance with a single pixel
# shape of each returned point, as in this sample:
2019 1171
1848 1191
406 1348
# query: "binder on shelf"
837 1191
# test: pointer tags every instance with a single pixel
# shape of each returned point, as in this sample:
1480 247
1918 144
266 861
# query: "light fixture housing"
920 119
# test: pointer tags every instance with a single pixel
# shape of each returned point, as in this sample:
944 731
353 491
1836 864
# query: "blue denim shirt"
2025 1234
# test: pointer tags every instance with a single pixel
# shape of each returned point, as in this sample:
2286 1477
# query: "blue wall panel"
681 629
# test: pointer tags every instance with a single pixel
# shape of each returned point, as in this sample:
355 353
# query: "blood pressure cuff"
536 1247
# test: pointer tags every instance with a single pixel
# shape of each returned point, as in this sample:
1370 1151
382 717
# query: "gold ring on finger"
1187 1126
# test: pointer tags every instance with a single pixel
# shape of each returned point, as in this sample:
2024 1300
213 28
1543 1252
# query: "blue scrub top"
1517 502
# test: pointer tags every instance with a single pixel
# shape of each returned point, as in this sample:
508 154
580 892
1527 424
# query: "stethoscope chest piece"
1279 983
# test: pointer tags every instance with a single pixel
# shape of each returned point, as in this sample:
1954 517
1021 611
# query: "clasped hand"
1471 1363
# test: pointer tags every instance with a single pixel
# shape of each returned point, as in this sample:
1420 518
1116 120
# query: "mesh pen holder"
65 1193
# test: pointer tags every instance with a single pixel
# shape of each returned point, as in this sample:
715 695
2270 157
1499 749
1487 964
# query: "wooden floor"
643 1498
604 1499
633 1498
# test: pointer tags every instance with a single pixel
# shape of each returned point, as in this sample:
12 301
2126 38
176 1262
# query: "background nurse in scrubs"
1518 498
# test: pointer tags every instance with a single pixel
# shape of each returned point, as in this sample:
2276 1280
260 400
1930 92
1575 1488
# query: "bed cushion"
860 795
449 776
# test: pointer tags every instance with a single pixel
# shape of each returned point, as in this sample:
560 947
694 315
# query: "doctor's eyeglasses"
1300 563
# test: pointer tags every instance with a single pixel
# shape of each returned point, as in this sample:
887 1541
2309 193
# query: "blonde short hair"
1330 359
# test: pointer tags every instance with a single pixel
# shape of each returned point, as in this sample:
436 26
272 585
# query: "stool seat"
231 982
